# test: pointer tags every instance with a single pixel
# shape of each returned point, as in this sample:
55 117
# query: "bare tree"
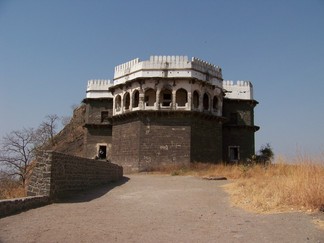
47 130
17 152
65 120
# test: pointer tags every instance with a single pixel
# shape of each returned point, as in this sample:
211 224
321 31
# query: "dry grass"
11 189
280 187
273 188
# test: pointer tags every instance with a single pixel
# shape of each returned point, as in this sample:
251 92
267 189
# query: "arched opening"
181 97
195 100
150 97
206 102
135 98
215 103
126 101
118 103
166 97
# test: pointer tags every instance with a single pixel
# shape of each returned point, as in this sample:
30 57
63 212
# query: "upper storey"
99 89
168 67
171 67
242 90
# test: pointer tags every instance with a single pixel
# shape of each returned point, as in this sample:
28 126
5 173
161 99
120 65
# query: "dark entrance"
102 153
234 153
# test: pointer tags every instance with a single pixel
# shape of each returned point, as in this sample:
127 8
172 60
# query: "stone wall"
206 140
56 175
242 137
125 142
12 206
96 136
148 139
239 129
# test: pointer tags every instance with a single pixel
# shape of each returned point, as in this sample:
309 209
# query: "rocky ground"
156 208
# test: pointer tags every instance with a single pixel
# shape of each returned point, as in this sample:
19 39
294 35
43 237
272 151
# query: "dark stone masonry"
56 175
147 140
16 205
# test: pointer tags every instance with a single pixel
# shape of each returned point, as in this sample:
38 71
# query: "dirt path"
154 208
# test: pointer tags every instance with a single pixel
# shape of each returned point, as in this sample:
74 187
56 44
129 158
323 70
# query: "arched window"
206 102
215 103
195 100
135 98
165 97
117 102
150 97
126 100
181 97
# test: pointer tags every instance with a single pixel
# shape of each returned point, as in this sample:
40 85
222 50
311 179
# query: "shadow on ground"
91 194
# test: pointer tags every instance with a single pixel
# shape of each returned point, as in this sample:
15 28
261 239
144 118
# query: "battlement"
239 90
168 66
204 64
127 65
99 88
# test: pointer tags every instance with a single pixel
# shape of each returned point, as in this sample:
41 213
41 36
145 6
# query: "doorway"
102 152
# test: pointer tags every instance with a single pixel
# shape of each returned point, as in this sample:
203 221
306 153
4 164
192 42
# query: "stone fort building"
169 110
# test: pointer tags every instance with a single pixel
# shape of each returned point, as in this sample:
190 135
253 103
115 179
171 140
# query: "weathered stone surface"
56 174
11 206
239 130
152 139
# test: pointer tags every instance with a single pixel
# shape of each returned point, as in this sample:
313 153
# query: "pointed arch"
126 100
166 97
150 97
118 103
206 102
181 97
215 103
195 99
135 98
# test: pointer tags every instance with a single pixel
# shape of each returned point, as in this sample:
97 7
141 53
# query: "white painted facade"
242 90
168 67
180 94
99 89
169 83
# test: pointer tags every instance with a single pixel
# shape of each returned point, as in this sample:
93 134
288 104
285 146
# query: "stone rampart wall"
12 206
56 175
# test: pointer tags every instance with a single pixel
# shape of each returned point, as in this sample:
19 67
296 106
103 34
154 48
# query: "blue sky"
49 49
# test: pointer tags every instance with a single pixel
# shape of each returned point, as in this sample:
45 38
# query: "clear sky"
49 49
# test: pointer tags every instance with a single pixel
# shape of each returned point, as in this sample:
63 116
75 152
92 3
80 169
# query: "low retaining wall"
12 206
56 175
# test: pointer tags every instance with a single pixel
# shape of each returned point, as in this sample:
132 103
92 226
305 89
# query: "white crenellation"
168 66
127 65
98 88
240 90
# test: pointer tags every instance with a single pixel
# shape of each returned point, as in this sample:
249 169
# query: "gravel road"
156 208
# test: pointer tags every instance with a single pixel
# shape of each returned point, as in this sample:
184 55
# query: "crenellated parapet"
239 90
206 66
99 88
168 67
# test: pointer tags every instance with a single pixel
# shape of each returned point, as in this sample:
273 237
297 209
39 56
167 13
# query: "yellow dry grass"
272 188
11 189
280 187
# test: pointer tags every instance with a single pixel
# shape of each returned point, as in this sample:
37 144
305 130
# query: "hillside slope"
70 140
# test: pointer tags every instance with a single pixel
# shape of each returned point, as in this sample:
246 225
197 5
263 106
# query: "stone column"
189 100
157 106
201 105
130 100
174 100
141 99
122 102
